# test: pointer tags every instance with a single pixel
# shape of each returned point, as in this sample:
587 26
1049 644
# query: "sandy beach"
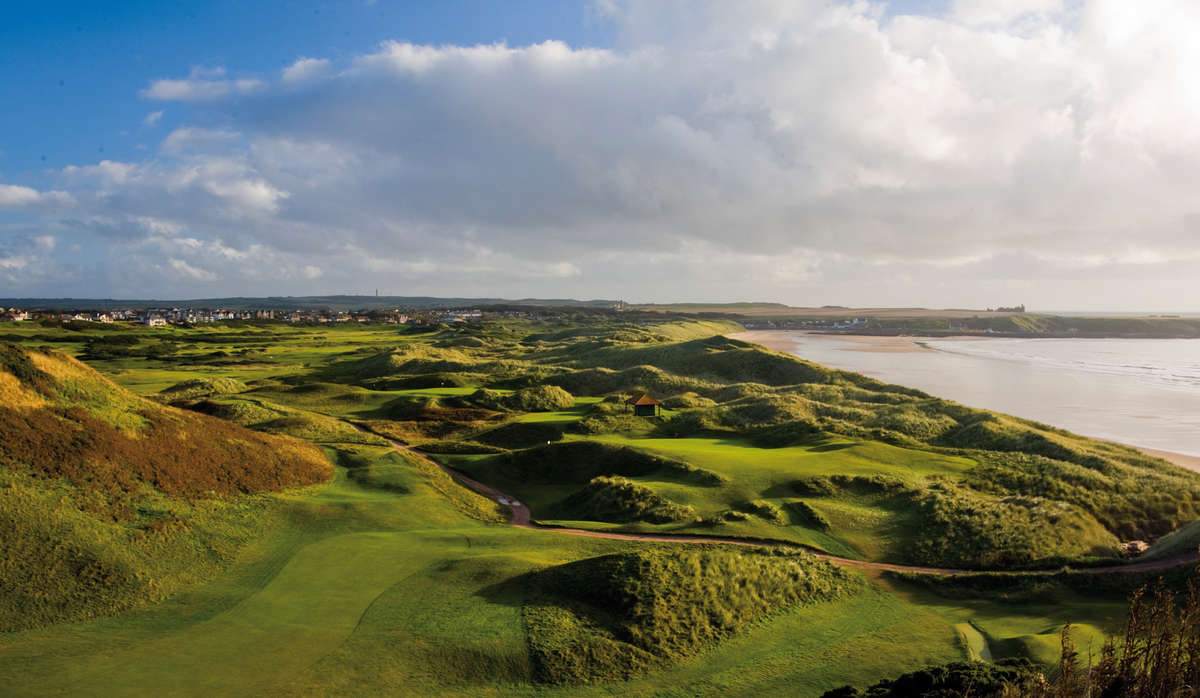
778 340
1180 459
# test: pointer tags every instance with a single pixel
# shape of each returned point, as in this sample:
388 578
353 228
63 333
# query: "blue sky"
963 153
73 70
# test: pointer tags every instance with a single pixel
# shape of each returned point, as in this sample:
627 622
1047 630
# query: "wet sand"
777 340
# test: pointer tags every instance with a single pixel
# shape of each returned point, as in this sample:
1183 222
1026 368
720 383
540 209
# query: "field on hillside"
392 578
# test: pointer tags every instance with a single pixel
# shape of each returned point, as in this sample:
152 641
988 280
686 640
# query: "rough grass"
620 500
615 616
967 530
378 584
197 388
58 562
521 435
317 428
580 461
105 512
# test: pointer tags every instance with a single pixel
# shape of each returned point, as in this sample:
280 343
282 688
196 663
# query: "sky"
936 153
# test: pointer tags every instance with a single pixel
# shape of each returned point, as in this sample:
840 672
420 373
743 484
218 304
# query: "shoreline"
778 340
1181 459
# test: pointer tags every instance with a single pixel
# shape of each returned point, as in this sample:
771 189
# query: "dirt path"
521 517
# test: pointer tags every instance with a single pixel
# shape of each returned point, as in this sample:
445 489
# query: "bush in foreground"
1158 656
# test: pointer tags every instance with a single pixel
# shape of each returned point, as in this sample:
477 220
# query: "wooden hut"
643 405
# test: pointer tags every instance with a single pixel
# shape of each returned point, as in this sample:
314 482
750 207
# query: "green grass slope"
394 580
616 616
110 500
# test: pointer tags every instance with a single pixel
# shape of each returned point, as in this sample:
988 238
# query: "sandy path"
521 517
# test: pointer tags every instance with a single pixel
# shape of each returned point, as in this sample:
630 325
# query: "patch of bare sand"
775 340
1180 459
782 340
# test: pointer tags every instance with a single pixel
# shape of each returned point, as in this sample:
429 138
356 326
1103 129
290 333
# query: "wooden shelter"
643 405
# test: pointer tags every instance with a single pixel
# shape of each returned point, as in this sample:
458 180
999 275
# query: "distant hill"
296 303
108 500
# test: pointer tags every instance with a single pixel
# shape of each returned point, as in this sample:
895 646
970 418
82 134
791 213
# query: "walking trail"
521 517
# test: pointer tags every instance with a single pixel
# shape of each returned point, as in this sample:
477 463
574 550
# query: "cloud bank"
1029 151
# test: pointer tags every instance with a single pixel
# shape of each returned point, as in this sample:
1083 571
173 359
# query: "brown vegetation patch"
181 454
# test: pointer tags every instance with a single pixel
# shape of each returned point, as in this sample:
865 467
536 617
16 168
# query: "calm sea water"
1144 392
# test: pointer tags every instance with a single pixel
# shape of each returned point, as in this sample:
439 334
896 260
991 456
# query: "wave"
1166 362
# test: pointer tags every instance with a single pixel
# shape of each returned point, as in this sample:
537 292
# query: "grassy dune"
110 501
393 579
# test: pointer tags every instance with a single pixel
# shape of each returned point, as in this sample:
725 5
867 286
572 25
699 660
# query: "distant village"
822 324
162 317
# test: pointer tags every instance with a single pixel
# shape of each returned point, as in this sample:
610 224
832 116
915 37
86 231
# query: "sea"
1142 392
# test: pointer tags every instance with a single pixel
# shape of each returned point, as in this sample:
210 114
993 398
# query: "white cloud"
13 195
803 151
192 139
16 196
190 271
202 85
1002 11
306 69
153 118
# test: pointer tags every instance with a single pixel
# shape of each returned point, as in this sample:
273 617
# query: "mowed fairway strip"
304 613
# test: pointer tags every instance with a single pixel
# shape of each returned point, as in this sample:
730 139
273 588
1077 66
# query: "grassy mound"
968 530
318 428
620 500
579 461
541 398
419 420
538 398
1134 496
239 411
197 388
615 616
521 435
717 359
1185 540
803 514
425 381
413 358
314 395
112 500
650 379
763 510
